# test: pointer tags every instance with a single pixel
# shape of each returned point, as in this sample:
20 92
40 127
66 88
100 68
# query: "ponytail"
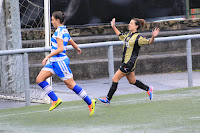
139 22
142 21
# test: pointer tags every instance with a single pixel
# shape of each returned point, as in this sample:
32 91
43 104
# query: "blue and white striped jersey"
62 33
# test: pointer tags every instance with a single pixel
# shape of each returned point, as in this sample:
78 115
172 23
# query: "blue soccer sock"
79 91
48 89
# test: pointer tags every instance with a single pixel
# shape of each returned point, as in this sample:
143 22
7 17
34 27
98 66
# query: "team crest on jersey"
128 38
126 41
127 45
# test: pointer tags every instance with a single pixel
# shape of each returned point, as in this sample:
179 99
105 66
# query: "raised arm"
154 34
114 28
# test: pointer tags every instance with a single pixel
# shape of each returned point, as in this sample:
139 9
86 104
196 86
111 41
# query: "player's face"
132 26
55 22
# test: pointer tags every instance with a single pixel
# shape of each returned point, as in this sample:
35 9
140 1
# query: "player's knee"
114 80
132 82
69 85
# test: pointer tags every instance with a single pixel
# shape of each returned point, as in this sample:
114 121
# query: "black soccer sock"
112 90
141 85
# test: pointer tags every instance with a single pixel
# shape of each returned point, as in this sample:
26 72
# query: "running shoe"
104 100
92 107
55 104
150 93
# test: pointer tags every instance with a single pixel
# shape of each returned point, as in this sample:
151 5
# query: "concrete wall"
38 34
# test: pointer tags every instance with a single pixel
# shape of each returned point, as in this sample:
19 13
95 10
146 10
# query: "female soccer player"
59 64
132 43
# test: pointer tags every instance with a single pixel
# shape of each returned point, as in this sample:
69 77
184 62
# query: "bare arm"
57 51
114 28
75 46
154 34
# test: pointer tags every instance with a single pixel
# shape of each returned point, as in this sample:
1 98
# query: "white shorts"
60 68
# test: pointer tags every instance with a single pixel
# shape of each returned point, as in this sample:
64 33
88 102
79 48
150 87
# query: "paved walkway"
100 87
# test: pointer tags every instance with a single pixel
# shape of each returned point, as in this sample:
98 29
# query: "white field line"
74 107
161 97
41 111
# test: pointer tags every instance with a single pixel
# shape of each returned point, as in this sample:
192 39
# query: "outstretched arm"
114 28
75 46
154 34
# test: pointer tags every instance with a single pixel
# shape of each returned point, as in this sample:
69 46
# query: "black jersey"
132 44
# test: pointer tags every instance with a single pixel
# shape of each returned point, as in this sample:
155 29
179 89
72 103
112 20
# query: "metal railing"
110 45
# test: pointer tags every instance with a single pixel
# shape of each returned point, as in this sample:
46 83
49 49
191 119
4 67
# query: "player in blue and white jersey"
59 64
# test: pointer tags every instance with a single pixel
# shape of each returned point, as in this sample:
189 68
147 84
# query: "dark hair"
139 22
59 15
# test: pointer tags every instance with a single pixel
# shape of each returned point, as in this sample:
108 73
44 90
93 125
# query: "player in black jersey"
132 43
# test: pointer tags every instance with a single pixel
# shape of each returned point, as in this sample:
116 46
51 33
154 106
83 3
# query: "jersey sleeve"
142 41
64 35
122 36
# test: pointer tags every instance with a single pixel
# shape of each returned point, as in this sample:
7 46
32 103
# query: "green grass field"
172 111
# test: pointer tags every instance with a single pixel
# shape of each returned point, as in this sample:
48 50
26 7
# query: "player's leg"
78 90
81 92
118 75
41 80
64 72
132 80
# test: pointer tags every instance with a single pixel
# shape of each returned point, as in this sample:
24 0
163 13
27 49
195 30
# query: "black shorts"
127 67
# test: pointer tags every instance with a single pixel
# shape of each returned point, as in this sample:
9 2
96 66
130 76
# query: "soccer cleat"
150 93
55 104
104 100
92 107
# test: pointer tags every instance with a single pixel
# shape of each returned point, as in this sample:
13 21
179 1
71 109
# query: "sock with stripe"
79 91
48 89
139 84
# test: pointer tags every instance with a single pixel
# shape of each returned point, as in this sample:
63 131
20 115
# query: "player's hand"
112 22
155 32
79 50
45 60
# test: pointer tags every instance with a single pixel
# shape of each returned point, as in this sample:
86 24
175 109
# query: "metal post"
187 12
47 35
110 63
47 22
26 80
189 63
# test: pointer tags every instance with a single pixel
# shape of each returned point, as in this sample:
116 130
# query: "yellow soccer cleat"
55 104
92 107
